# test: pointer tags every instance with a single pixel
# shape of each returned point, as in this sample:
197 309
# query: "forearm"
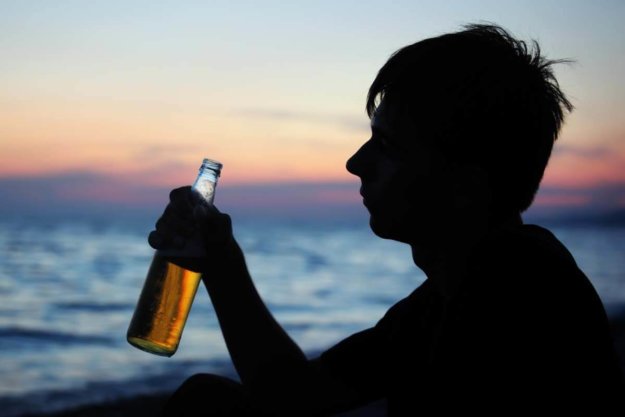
271 366
255 341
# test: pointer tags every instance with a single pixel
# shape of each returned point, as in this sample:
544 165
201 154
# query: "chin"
387 230
377 229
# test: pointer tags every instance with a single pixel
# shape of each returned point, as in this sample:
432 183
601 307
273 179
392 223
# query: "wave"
93 307
163 380
23 336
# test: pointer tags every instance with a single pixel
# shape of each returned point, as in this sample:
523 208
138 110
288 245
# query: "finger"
225 224
179 242
170 237
157 240
176 223
208 209
181 200
171 223
214 227
206 214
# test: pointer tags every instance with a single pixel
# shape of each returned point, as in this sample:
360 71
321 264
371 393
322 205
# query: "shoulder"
423 295
525 245
526 256
528 268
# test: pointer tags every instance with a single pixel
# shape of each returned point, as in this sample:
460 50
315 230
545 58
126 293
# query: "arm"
255 340
270 364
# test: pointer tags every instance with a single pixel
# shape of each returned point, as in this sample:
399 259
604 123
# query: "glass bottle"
169 288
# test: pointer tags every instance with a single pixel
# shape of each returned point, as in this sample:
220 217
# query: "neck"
504 221
445 259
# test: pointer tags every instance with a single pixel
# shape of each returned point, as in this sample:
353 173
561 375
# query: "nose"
355 164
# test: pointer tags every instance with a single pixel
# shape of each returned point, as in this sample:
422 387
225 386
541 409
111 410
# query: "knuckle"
155 240
178 193
161 223
172 194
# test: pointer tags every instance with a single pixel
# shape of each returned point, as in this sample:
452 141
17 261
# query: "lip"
362 194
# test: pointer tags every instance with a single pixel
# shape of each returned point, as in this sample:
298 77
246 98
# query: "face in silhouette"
406 185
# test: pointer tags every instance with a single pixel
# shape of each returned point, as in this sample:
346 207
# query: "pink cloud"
561 200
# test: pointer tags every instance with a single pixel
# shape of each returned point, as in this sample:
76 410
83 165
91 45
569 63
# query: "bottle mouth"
212 165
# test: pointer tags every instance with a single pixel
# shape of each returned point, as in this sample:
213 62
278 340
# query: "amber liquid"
163 307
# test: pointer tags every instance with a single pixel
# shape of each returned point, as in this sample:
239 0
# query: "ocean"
68 288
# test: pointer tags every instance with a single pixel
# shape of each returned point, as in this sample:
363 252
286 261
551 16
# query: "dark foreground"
151 405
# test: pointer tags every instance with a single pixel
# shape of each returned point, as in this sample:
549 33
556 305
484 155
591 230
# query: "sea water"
68 289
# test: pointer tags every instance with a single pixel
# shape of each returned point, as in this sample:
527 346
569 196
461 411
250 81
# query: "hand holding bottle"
189 224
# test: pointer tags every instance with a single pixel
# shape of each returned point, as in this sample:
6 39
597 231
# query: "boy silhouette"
463 126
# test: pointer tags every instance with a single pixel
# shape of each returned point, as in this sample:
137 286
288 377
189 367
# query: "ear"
472 189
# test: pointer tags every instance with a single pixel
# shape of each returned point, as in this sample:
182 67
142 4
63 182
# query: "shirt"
525 331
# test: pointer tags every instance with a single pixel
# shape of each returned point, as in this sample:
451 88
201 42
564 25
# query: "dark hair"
483 98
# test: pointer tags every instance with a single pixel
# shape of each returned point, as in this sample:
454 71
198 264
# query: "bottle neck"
210 168
206 180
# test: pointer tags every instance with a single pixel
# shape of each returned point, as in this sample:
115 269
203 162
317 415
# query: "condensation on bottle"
170 286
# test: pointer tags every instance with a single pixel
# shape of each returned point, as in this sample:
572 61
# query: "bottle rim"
212 165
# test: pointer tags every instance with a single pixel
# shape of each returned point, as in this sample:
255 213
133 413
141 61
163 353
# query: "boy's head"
482 98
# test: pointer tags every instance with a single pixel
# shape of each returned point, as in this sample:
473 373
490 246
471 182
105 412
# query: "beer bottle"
169 288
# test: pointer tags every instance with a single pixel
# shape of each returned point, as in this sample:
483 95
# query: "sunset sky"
138 92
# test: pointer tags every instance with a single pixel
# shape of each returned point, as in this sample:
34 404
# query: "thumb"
200 213
214 226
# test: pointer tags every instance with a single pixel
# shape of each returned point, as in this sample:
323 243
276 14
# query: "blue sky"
141 91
